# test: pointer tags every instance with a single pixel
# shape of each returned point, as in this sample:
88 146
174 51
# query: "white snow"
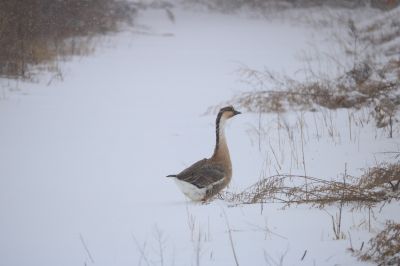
83 161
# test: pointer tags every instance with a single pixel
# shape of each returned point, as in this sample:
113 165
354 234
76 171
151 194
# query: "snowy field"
83 161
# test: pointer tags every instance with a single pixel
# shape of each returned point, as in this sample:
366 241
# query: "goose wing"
202 173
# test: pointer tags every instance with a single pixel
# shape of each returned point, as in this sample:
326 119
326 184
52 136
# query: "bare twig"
230 238
304 255
141 250
161 244
86 248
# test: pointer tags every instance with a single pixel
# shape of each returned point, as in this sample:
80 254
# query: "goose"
205 178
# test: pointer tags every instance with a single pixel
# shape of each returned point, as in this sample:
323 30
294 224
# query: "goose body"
207 177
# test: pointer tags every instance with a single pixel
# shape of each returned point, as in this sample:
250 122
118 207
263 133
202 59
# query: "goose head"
227 112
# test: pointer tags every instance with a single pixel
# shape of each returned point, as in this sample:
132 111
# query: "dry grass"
382 176
354 90
366 191
366 81
40 32
267 5
384 248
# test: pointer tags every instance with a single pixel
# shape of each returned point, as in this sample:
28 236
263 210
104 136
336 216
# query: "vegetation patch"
264 5
377 185
41 32
371 79
382 176
384 248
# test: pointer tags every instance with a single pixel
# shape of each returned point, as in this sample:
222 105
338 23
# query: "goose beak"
236 112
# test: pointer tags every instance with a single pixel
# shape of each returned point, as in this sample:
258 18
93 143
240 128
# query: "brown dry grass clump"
384 247
346 92
382 176
34 32
366 191
355 89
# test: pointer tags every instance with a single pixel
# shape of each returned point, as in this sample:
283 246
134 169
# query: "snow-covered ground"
83 161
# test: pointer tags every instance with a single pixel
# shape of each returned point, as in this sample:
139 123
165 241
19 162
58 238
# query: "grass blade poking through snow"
230 238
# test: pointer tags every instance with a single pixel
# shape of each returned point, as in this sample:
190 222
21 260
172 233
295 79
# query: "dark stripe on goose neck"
217 123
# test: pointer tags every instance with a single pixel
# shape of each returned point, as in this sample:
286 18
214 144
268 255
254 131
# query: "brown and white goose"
207 177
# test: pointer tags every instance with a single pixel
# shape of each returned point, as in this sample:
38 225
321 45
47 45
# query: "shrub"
35 32
384 247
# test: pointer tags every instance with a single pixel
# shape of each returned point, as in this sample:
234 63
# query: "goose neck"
221 147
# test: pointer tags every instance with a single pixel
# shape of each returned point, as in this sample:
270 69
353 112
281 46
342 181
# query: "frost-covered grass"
83 161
